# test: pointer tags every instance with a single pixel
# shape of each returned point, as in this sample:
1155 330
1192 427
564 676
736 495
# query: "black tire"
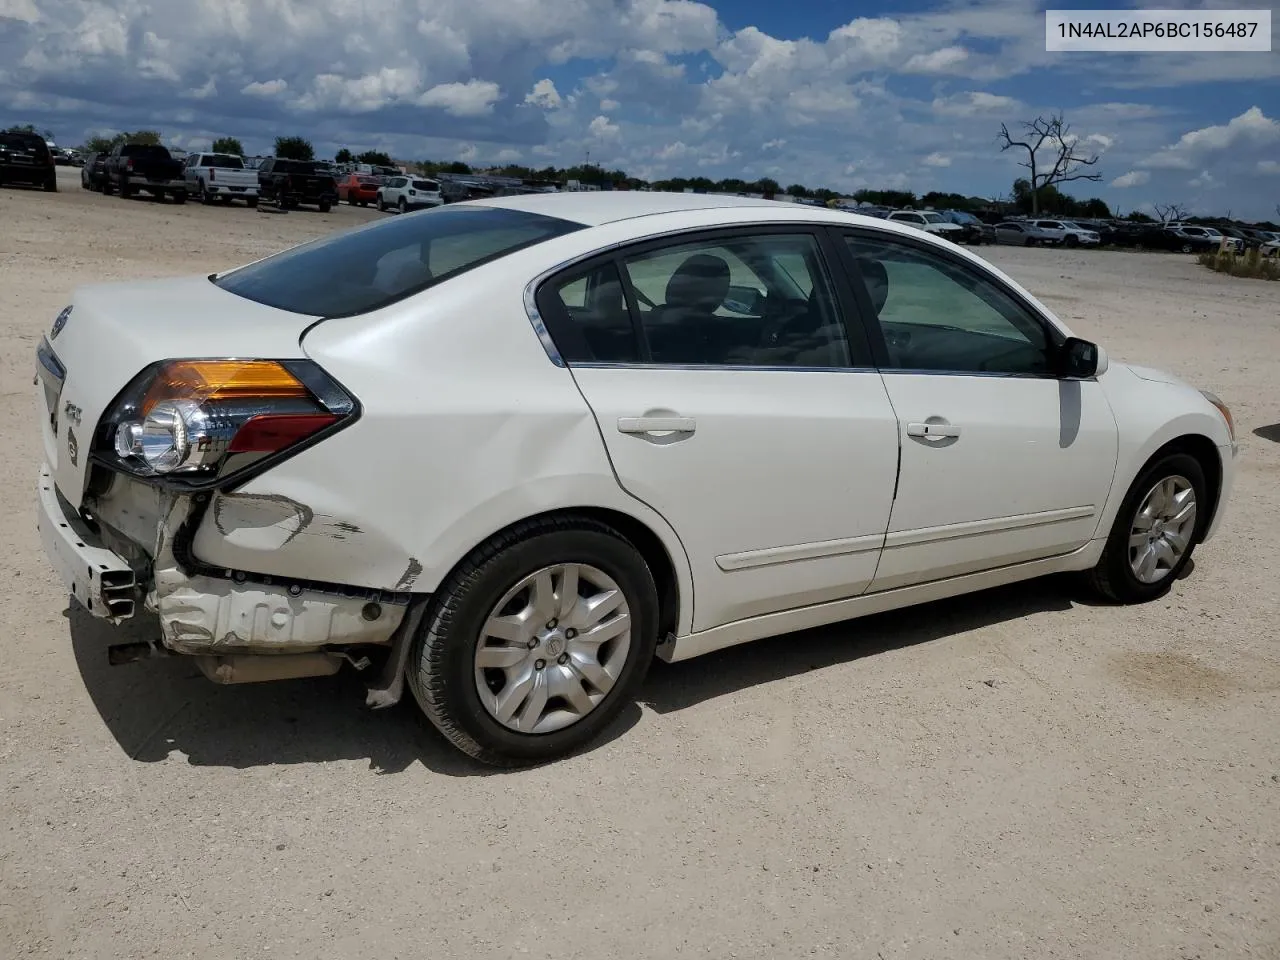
251 201
325 206
206 196
1113 577
106 187
158 196
124 191
179 196
51 185
441 669
382 207
1071 240
404 207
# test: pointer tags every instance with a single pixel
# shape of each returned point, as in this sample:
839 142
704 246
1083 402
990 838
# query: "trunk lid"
115 330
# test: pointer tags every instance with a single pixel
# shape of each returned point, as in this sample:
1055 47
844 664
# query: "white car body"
406 193
219 176
1074 234
929 222
765 496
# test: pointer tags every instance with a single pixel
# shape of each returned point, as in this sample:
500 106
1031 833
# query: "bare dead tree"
1055 133
1170 211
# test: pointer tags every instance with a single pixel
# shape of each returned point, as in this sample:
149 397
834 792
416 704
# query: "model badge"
71 412
73 448
59 323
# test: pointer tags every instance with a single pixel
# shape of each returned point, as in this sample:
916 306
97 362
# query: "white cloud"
1269 166
974 103
1252 127
471 99
939 61
544 94
23 11
608 104
936 160
265 88
1134 178
602 128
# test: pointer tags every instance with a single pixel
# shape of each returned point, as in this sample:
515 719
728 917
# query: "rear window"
24 141
370 181
428 185
222 161
364 269
143 150
294 166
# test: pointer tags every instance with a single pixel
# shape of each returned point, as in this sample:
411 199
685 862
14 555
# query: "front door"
732 401
1002 462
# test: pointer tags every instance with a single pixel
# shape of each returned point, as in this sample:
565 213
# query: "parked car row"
26 158
223 177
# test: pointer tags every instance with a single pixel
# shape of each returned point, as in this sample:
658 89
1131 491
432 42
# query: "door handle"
932 431
656 424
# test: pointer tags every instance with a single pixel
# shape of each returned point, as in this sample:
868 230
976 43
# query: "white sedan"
512 449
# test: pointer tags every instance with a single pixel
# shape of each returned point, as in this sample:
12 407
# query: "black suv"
25 158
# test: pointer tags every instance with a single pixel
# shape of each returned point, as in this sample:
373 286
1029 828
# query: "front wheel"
1155 531
536 641
404 207
382 206
1071 240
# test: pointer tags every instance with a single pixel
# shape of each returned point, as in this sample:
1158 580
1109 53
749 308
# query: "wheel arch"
674 598
1207 454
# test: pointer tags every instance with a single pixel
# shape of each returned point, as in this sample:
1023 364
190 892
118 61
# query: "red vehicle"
358 189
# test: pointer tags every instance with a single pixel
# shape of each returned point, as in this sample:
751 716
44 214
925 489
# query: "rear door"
733 399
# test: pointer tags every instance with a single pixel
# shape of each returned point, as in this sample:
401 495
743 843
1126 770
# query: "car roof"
597 207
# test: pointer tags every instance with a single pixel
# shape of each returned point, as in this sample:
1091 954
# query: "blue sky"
908 94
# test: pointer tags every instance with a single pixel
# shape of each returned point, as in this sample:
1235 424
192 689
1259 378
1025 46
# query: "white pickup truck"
220 176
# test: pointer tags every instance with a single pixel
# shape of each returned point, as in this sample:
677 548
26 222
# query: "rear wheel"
251 201
404 207
51 185
536 641
382 206
324 206
1071 240
1155 531
124 191
179 196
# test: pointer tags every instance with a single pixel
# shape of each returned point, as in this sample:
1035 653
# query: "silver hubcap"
1162 529
552 648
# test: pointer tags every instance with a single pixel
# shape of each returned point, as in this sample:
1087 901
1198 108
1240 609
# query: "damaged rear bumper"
234 623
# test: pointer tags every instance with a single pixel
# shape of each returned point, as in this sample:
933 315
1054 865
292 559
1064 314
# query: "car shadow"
163 706
672 687
1270 432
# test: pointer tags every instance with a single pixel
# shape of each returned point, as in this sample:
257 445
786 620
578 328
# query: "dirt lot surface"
1013 775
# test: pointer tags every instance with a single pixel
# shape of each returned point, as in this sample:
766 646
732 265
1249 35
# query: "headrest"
701 283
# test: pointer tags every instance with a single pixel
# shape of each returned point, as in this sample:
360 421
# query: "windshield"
357 271
933 218
1209 230
222 161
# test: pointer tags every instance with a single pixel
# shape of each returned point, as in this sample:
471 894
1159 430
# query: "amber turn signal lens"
202 380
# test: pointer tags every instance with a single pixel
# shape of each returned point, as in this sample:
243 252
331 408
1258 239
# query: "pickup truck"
288 183
220 176
132 167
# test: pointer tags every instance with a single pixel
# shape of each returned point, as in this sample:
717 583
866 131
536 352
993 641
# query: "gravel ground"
1010 775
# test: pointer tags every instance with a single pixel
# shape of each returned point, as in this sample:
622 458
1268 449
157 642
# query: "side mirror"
1079 359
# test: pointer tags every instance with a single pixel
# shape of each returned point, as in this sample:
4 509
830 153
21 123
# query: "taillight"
213 173
201 423
128 163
